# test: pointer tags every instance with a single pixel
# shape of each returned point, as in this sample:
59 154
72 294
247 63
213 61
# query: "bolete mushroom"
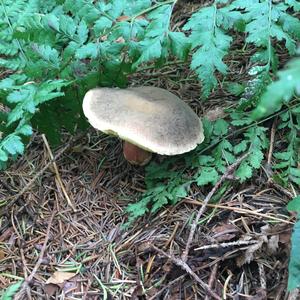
148 119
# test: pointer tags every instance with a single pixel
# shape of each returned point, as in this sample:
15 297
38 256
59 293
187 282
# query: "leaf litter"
105 260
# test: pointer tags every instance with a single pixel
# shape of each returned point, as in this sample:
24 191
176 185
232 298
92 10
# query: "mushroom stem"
136 155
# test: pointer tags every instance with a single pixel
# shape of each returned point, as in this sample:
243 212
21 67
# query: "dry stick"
186 267
58 177
272 138
13 199
26 283
212 278
224 245
239 210
226 175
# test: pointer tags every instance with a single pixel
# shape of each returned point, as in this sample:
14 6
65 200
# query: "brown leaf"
2 254
224 232
6 234
285 237
59 277
50 289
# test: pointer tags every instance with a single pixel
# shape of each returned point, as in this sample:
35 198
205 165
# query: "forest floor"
72 211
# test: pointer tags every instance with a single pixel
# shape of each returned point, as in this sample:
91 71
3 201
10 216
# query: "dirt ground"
73 211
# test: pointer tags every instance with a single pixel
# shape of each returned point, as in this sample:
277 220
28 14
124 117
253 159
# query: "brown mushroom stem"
136 155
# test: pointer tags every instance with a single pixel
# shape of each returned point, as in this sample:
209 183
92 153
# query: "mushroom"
148 119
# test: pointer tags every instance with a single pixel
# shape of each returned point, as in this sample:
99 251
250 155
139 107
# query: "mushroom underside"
136 155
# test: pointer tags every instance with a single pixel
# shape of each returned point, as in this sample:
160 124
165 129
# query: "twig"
226 283
29 279
239 210
13 199
179 262
58 177
262 276
167 286
224 245
272 138
225 176
212 278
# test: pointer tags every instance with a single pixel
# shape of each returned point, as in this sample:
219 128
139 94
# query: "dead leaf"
224 232
285 237
2 254
50 289
6 234
60 277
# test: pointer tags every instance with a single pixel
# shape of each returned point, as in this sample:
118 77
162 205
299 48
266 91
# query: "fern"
280 91
266 21
294 267
209 39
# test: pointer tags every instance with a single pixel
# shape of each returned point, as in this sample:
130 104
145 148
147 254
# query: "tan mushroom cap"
152 118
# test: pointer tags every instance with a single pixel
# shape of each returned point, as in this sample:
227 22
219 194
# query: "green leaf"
221 127
102 24
90 50
25 130
294 205
244 171
241 147
280 91
150 50
3 155
11 291
48 54
13 145
82 32
207 175
255 158
294 264
235 88
211 44
180 45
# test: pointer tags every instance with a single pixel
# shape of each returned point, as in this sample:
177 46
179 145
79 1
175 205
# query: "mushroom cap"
152 118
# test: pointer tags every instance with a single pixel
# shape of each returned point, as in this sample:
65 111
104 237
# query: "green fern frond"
210 42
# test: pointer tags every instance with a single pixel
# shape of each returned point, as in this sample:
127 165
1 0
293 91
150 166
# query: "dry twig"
225 176
272 139
26 283
240 211
180 263
11 200
58 177
212 278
